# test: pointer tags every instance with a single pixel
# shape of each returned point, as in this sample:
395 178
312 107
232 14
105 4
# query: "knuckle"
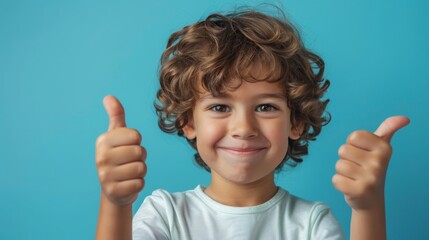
338 184
144 153
335 180
386 148
100 140
377 165
138 151
141 169
103 175
342 150
338 166
101 159
135 135
346 168
144 170
356 135
139 184
111 190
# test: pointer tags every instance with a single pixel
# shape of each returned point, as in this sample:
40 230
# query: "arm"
114 222
361 173
368 224
120 162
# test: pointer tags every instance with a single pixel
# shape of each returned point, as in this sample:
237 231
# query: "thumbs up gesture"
364 158
120 159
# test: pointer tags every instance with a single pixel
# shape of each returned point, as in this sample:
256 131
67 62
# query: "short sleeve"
149 220
324 225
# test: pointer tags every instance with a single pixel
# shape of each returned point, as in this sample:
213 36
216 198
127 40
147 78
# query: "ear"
189 130
296 131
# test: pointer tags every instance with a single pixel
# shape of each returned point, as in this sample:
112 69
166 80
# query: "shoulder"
166 197
167 202
158 214
301 206
317 216
308 209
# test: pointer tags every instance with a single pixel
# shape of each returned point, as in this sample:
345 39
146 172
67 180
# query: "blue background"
58 59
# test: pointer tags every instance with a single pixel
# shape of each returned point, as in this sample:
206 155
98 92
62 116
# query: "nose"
243 125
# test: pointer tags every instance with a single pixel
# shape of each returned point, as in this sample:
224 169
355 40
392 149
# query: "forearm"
114 222
368 224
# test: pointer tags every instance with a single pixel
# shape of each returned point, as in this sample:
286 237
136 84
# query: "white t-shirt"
194 215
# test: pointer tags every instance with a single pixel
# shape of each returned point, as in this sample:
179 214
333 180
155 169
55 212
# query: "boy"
243 91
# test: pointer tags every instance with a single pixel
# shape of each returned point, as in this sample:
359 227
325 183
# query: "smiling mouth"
242 151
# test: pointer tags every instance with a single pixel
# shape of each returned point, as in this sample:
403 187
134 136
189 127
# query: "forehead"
263 75
258 89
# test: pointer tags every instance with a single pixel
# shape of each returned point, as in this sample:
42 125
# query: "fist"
120 160
364 158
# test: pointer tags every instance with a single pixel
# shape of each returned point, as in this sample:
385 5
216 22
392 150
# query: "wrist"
367 203
105 203
369 223
114 221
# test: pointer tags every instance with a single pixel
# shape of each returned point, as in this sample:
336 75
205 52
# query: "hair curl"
211 52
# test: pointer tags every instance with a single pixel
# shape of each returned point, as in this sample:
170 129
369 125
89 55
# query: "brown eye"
265 108
220 108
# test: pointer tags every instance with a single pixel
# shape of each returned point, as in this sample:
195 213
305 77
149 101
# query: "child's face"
243 135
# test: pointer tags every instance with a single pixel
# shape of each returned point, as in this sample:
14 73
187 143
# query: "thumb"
115 111
389 126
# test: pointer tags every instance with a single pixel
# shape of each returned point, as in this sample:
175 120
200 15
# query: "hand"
363 163
120 159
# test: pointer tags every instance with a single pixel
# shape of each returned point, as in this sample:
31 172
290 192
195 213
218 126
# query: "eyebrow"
226 95
272 95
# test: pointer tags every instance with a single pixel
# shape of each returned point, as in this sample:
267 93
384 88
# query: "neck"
241 195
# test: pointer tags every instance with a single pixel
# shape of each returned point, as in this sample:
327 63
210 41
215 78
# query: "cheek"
208 133
278 135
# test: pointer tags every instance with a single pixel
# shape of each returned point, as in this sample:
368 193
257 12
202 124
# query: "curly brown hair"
213 51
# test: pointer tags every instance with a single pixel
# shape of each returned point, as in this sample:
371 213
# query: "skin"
361 173
121 168
239 137
242 136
